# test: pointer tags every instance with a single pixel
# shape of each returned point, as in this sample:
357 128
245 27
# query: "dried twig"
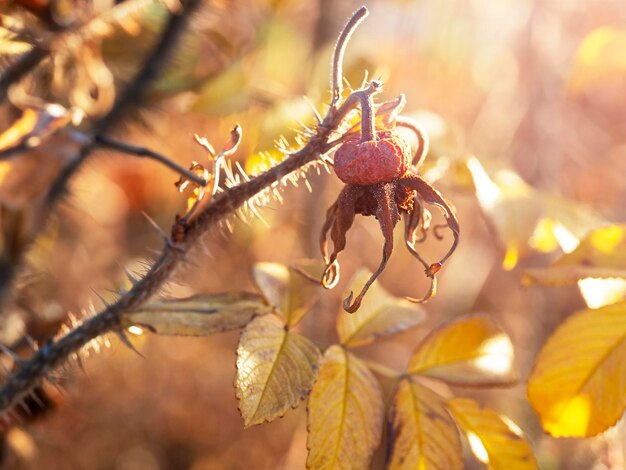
108 143
150 70
32 372
132 95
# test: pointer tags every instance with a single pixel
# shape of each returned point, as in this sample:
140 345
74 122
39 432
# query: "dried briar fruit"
382 180
373 161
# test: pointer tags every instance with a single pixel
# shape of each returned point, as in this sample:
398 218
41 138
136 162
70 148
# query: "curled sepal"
420 134
417 219
432 291
387 215
430 195
339 219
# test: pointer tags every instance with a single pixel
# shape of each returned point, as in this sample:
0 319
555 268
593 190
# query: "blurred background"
526 96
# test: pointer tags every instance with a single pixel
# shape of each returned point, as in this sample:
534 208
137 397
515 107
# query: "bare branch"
336 84
107 142
147 73
24 65
132 94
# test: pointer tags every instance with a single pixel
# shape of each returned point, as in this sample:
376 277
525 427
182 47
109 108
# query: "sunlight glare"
496 355
135 330
600 292
477 447
486 190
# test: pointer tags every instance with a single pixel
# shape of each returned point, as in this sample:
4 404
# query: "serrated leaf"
275 370
381 315
471 351
289 291
578 384
525 219
421 432
198 315
494 439
345 413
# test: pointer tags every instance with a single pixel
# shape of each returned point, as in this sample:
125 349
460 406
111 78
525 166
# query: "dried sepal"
210 173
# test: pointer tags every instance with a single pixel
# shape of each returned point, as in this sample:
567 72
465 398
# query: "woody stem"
366 99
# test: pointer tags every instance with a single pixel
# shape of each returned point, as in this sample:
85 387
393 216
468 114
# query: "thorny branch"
32 372
149 71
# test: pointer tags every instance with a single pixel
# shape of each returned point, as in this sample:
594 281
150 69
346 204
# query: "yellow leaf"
578 384
600 56
199 315
602 254
275 370
525 219
597 264
345 413
471 351
422 434
381 315
289 290
494 439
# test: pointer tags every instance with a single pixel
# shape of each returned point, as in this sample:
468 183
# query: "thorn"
163 235
104 302
308 185
10 353
244 175
131 277
36 399
31 342
365 77
318 118
26 409
205 249
277 195
56 385
122 335
255 211
5 368
81 365
229 226
15 417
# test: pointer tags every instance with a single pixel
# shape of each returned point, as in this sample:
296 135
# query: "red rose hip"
374 161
